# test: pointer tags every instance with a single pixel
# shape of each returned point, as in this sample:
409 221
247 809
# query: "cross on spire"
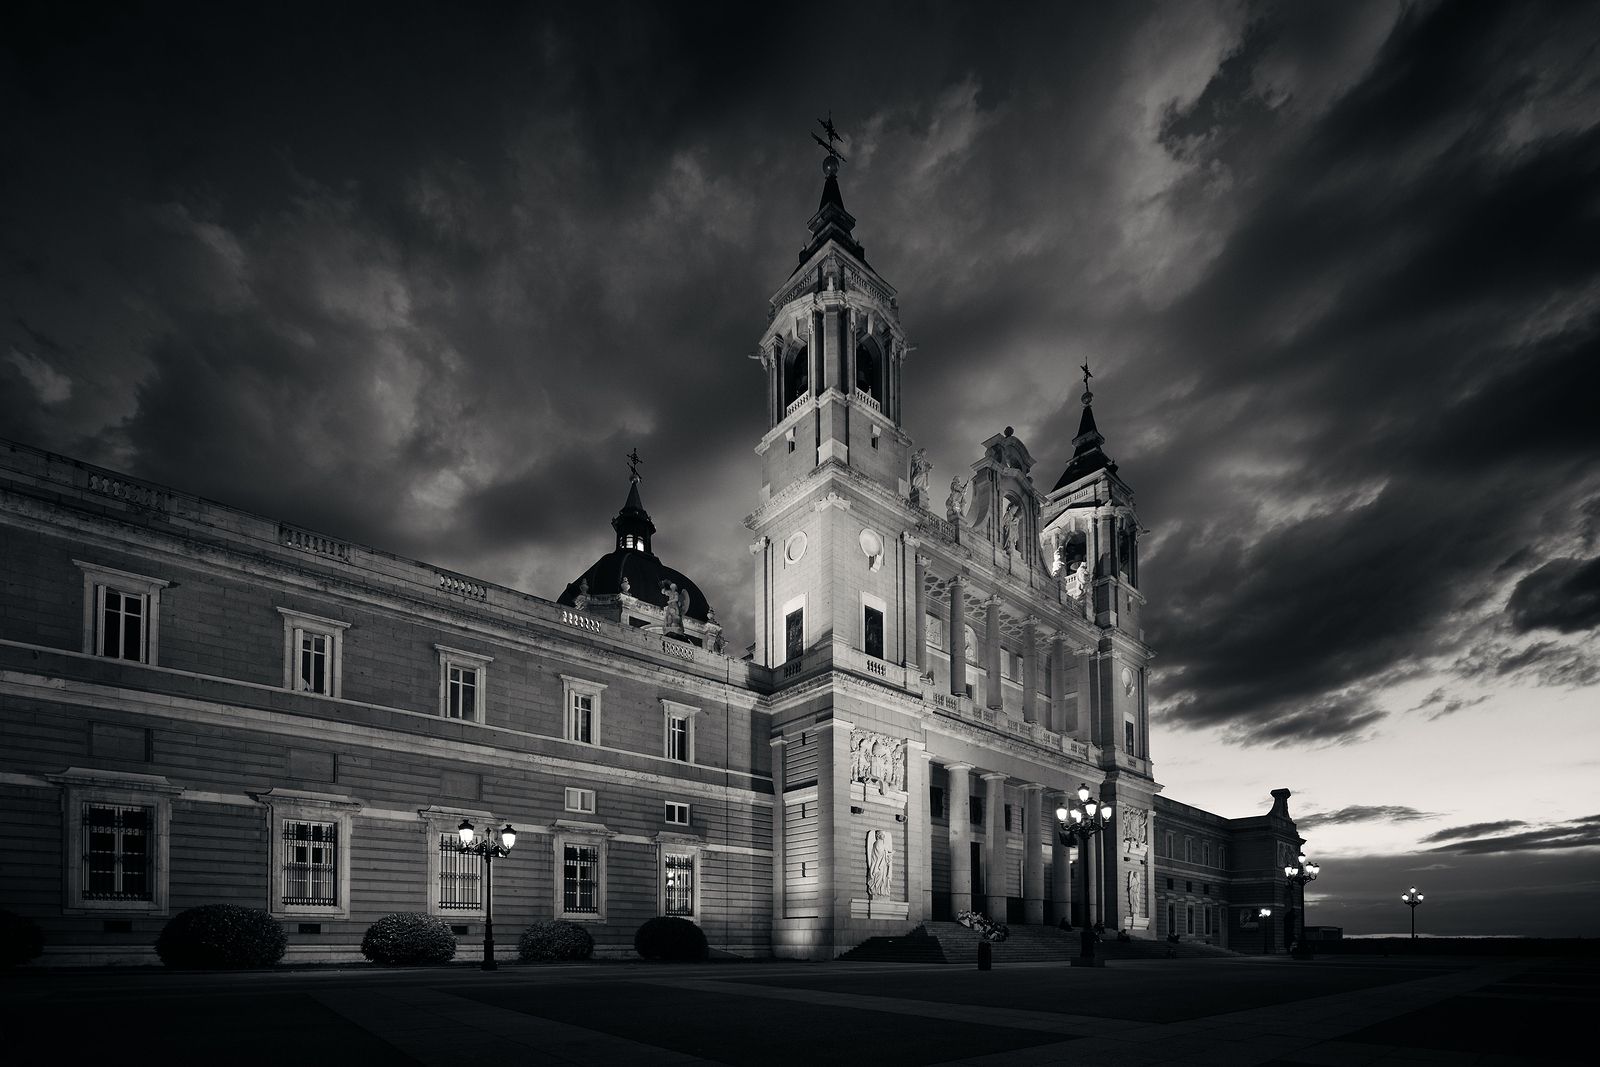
633 465
1088 397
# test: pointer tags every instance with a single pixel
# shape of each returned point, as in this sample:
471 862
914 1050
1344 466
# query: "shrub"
221 935
20 939
560 940
406 937
670 938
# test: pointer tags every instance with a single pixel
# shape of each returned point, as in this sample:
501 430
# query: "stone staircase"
948 942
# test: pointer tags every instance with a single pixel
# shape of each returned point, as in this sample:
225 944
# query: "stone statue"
921 475
955 505
677 600
1010 526
1135 894
1077 582
583 587
880 864
714 639
877 759
626 585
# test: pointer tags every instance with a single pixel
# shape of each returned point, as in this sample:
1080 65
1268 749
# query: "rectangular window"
1172 918
310 851
1127 737
1188 918
460 876
872 631
1222 856
678 737
1188 850
1008 818
678 891
122 624
580 800
794 635
462 693
677 813
311 648
975 807
580 879
935 802
116 852
1205 854
313 674
580 718
1209 926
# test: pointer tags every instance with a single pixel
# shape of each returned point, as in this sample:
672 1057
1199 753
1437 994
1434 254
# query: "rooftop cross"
1087 396
633 464
833 135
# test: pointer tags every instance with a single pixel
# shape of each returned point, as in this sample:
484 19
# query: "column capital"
993 600
1032 787
1030 620
961 768
779 741
760 544
910 539
990 776
924 561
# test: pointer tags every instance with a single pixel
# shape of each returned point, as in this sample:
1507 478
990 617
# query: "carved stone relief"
877 759
880 864
1135 826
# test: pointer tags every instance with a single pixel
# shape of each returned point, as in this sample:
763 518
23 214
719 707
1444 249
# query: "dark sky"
419 276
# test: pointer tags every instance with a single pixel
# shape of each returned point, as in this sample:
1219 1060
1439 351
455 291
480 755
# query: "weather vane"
633 464
833 136
1088 397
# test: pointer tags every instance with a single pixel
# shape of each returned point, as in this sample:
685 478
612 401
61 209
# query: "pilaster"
996 687
1032 853
958 790
1030 673
994 846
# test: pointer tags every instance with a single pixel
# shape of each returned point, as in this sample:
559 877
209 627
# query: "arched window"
796 375
869 370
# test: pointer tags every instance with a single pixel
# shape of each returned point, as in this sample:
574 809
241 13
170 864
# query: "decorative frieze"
878 759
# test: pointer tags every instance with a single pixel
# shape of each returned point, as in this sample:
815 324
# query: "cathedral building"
200 705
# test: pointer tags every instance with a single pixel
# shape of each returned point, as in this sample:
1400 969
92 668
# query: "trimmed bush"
20 939
550 941
221 935
406 937
670 938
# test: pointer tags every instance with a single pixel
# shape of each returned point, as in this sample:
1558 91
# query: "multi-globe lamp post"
1297 877
1412 899
490 850
1080 825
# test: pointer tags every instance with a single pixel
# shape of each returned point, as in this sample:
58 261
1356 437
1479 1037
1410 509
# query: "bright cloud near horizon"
421 277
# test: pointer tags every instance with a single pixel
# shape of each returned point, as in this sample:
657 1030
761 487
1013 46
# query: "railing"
582 622
793 667
868 400
801 285
680 649
854 279
462 587
798 403
941 528
316 544
128 492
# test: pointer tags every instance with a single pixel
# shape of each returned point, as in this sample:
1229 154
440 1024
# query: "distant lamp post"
1080 825
1265 916
490 850
1412 899
1298 877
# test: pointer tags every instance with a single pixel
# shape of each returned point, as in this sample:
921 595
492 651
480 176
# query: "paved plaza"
1205 1011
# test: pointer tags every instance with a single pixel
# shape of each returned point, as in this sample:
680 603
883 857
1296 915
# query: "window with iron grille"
678 895
580 879
310 854
460 876
116 852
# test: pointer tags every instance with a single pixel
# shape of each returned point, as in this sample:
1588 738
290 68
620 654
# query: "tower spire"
1088 453
632 523
831 219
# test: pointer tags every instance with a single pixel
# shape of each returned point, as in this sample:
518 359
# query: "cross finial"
830 164
1088 397
633 465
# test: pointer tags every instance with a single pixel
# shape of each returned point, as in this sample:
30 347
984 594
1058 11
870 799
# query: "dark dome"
644 572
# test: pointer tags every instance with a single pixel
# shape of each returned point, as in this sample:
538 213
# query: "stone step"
948 942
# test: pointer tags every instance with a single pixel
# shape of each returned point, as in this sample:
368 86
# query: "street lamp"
1265 915
489 850
1412 899
1080 825
1299 876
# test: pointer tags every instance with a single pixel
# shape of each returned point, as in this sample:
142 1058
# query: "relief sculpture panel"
878 759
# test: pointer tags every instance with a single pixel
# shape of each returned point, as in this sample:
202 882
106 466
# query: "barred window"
460 876
116 852
310 851
581 879
678 898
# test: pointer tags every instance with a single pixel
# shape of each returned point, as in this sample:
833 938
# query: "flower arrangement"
986 927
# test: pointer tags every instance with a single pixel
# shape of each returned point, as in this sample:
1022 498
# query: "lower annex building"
199 705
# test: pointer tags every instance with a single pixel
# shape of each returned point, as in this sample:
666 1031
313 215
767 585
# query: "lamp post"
1412 899
1299 876
1082 824
1265 915
489 849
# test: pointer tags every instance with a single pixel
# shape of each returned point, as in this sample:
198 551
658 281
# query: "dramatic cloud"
1454 833
1358 813
1333 265
1575 834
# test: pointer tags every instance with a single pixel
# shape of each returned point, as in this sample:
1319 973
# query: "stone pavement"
1231 1011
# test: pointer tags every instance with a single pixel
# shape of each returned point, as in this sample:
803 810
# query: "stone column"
957 790
1032 854
1084 725
814 357
958 637
918 862
994 846
919 598
1091 856
1058 683
1030 664
780 872
760 549
996 691
1060 868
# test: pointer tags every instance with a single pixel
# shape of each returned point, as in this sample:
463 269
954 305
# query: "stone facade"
200 705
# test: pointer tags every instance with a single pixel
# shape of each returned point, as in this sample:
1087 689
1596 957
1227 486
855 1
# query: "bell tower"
832 352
